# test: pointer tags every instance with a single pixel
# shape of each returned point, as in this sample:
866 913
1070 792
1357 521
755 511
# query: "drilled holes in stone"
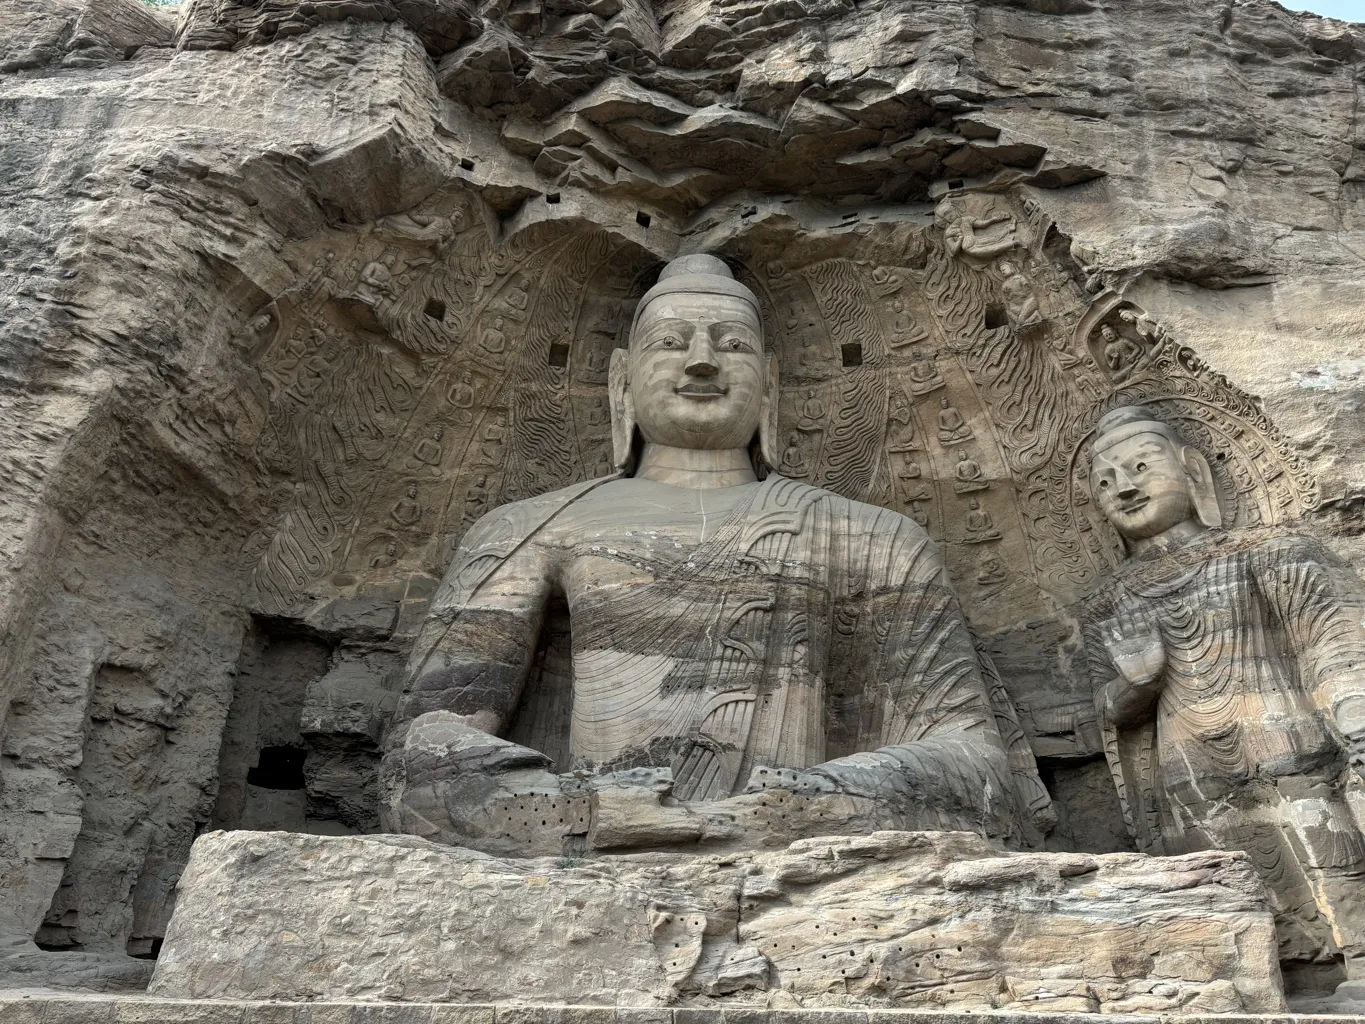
466 164
559 355
852 354
995 317
435 308
956 183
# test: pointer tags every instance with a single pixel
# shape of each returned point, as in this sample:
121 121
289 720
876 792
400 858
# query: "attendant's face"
697 371
1141 485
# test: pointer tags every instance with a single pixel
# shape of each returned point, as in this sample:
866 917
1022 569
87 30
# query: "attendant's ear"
622 409
767 424
1202 488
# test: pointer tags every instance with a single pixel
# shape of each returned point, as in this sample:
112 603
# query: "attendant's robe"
1240 750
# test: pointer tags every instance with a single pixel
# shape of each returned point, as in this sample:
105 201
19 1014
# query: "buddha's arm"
1320 610
937 758
474 651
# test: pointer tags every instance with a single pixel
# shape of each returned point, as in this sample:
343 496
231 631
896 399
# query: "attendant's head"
695 374
1147 480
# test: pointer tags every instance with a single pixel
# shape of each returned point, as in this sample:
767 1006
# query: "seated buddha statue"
750 661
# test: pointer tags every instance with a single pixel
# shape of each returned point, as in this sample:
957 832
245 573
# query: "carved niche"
420 372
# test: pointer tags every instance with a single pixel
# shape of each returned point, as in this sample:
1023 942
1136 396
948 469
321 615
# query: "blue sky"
1348 10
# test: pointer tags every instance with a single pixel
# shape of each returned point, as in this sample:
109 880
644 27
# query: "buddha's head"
1146 480
695 374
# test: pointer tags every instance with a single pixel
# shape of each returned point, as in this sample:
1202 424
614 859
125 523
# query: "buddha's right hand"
446 778
442 744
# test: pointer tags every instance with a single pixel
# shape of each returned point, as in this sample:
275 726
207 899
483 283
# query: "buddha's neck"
695 467
1176 536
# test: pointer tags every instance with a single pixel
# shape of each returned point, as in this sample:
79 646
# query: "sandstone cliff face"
291 294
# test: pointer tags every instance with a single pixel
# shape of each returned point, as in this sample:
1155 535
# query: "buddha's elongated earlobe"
1202 488
622 410
767 424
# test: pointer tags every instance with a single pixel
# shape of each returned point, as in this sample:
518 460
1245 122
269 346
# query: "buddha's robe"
1240 750
772 624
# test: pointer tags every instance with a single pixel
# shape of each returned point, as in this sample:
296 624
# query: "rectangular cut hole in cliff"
852 354
122 847
300 749
559 355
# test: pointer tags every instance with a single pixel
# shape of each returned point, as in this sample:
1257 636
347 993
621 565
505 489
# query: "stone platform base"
39 1009
920 920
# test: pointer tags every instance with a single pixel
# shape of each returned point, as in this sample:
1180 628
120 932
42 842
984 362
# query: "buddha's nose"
701 359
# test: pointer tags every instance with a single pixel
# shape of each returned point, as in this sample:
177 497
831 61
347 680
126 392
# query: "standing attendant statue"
1231 684
712 616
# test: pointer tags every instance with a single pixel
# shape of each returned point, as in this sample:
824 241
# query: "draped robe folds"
1263 644
808 632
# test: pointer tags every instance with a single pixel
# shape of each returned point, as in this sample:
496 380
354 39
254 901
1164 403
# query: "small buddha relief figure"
812 413
794 459
980 526
910 470
408 510
918 514
493 340
461 396
375 285
1021 301
904 331
1230 674
991 573
596 365
924 376
686 579
1122 355
476 498
428 451
490 449
387 558
952 428
968 476
597 413
515 298
885 282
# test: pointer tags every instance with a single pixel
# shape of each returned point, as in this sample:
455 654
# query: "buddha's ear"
1202 488
622 410
767 424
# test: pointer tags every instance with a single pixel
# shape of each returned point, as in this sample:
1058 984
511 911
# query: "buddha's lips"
1136 505
697 389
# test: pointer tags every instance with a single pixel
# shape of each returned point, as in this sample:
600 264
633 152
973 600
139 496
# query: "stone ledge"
147 1010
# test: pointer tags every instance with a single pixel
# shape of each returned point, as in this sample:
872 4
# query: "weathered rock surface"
214 405
929 920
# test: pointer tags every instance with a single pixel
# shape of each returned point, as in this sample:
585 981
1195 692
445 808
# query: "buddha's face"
1141 484
697 371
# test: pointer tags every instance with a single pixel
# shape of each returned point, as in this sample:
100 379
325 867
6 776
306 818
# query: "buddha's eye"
670 342
1104 485
733 345
1142 467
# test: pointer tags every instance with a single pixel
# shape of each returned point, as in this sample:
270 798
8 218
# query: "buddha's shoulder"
516 520
784 492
